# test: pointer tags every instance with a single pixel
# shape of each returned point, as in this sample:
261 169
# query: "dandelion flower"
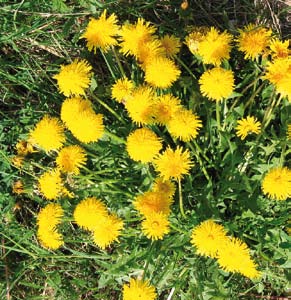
171 44
253 40
155 225
108 231
17 187
184 125
215 47
100 33
89 213
50 184
90 127
23 148
122 90
74 78
165 107
152 202
71 109
173 163
17 161
289 132
71 158
246 126
279 49
48 134
138 289
164 79
277 183
149 51
133 36
208 237
194 39
50 216
278 73
234 257
50 239
143 145
140 105
164 187
217 84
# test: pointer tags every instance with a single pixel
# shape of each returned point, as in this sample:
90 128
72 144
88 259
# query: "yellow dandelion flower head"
134 35
184 5
143 145
17 187
149 51
140 105
17 161
152 201
171 44
249 269
24 147
108 231
215 47
194 39
217 83
74 78
72 107
155 225
277 183
164 187
234 256
278 73
48 134
71 158
50 216
101 32
279 49
246 126
50 184
139 289
208 238
165 107
158 79
184 125
253 40
289 132
88 127
50 239
90 212
122 90
173 163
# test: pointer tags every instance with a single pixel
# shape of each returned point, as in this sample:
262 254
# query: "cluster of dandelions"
150 105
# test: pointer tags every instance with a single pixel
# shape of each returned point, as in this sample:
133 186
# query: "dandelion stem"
185 67
108 108
114 137
181 199
218 116
199 159
148 260
118 62
108 65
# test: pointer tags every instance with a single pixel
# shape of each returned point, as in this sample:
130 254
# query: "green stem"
200 161
181 199
115 137
118 62
218 116
185 67
108 108
108 65
148 260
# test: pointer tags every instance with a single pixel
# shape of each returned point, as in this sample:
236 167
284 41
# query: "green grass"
38 36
